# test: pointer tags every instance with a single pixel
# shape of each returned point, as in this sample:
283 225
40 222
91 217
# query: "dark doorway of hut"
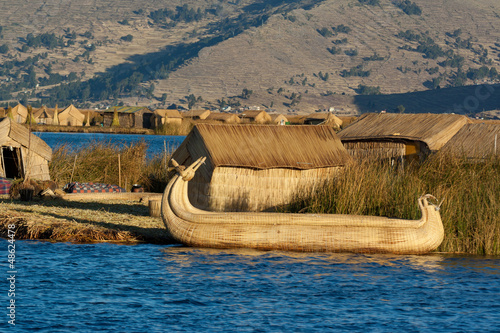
12 162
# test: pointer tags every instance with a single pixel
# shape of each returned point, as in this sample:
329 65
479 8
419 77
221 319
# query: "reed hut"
323 118
296 119
256 116
226 118
129 116
475 141
71 116
22 153
45 116
397 136
257 167
165 116
20 113
196 114
278 119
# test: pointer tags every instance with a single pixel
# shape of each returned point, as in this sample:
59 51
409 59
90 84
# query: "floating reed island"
82 221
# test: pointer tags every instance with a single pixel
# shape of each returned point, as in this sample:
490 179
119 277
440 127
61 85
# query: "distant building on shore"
196 114
227 118
165 116
128 116
255 116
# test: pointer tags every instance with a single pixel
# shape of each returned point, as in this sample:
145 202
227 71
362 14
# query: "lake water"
66 287
156 143
62 287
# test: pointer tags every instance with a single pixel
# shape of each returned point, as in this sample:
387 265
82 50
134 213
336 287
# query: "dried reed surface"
470 192
98 162
90 221
175 129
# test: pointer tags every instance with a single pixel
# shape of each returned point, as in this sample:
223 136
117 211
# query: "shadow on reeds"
130 208
105 231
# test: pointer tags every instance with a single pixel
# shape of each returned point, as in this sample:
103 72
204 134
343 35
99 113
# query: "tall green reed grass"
469 191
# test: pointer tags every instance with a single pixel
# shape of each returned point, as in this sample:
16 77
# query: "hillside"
301 55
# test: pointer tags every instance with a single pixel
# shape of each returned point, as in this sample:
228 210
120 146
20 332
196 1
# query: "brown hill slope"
281 50
293 60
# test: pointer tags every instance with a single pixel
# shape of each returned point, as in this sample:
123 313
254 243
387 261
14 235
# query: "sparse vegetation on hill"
215 49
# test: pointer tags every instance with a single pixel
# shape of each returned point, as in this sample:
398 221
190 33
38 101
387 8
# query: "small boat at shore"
295 232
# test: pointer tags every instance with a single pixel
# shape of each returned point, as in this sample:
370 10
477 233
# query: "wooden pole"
495 150
119 172
73 171
165 156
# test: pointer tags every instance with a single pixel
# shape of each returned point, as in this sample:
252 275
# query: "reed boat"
295 232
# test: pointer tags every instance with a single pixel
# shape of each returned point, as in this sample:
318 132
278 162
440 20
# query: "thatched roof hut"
71 116
22 153
323 118
227 118
128 116
255 167
20 113
196 114
278 119
256 116
165 116
45 116
475 141
391 135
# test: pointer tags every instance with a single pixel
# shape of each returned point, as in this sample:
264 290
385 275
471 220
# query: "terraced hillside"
300 55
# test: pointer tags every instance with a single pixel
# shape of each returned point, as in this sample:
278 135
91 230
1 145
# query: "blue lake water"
62 287
151 288
156 143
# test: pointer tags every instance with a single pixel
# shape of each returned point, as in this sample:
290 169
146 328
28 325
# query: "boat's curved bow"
295 232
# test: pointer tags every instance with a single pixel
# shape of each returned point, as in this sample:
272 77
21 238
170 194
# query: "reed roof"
265 146
48 112
10 130
433 129
253 113
220 116
475 141
196 113
73 112
168 113
326 117
20 109
277 117
128 109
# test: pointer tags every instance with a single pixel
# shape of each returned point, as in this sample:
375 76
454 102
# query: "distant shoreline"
90 129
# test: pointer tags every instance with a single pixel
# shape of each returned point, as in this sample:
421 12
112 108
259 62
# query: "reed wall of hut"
165 116
23 154
258 167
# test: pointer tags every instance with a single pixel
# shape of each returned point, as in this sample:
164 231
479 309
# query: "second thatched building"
257 167
396 136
